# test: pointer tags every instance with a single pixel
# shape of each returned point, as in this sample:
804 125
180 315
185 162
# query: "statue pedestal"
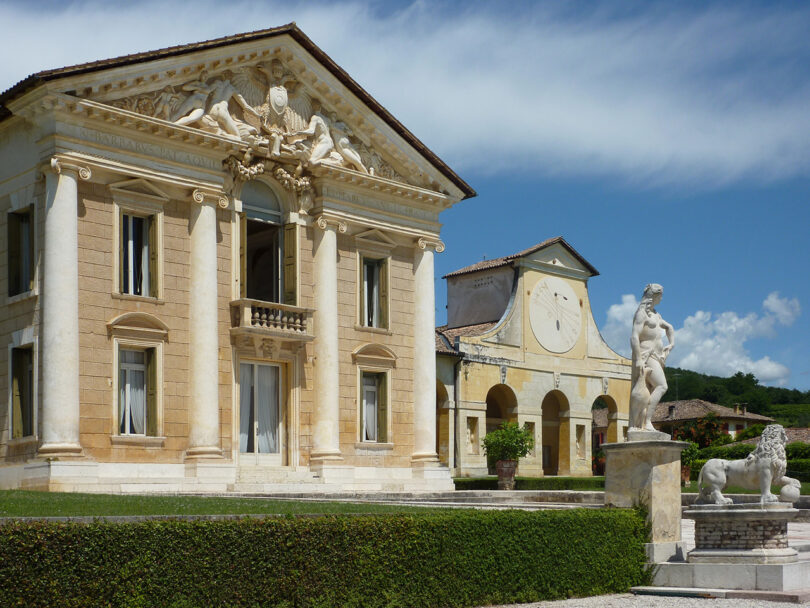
742 534
648 473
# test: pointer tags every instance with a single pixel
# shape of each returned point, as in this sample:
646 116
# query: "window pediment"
375 355
138 324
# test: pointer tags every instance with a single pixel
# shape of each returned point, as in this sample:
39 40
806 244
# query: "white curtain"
137 400
122 401
267 401
370 408
245 405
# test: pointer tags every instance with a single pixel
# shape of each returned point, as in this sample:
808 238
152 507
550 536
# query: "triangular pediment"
556 256
140 188
375 239
273 91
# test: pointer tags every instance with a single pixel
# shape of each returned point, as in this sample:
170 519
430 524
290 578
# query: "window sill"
370 445
22 441
374 330
127 296
22 297
138 440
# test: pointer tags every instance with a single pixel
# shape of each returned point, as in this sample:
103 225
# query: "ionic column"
203 438
326 433
424 353
60 311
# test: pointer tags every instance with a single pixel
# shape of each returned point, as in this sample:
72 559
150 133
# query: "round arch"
501 406
554 443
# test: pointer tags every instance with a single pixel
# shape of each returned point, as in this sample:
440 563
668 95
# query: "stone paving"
627 600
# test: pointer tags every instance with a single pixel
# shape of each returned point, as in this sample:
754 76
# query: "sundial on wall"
555 315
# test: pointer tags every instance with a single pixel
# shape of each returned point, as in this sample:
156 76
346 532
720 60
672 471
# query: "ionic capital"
58 165
211 198
434 244
330 223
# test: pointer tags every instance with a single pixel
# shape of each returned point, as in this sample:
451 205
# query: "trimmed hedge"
533 483
453 558
798 468
729 452
797 450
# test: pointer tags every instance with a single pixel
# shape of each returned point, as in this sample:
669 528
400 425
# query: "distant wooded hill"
743 389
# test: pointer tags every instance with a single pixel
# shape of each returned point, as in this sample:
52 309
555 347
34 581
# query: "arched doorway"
603 430
443 447
501 407
553 441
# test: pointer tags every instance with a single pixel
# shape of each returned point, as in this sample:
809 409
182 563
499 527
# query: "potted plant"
506 445
688 456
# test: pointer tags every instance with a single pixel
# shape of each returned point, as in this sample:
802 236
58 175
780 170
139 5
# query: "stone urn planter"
505 446
506 474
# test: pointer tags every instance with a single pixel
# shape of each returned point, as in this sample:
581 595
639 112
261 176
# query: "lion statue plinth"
763 467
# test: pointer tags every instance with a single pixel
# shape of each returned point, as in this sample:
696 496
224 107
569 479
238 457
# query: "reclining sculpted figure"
763 467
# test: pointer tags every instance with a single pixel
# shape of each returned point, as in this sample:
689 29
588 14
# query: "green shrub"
730 452
689 454
533 483
452 558
508 442
799 468
797 450
755 430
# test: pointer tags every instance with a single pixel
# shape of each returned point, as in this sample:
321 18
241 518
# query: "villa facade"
218 275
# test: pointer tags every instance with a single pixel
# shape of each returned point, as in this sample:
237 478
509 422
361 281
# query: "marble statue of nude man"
649 356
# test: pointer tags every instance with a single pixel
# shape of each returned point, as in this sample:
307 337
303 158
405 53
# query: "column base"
326 457
425 457
205 452
53 450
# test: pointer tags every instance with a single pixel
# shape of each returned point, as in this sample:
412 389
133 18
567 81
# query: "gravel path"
627 600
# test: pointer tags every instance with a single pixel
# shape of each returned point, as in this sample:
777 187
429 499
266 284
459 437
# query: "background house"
521 344
669 415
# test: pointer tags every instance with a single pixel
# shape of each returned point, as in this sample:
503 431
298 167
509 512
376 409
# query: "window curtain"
370 408
137 401
267 388
245 405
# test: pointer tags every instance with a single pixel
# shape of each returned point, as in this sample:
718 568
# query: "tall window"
267 249
137 392
138 255
374 299
20 252
22 392
374 407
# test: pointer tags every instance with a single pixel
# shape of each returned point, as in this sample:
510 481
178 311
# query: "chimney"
671 412
744 409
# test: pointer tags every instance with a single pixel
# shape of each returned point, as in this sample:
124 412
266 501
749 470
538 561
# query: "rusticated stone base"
755 534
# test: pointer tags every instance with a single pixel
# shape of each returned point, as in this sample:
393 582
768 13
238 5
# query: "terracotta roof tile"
448 336
503 261
697 408
793 434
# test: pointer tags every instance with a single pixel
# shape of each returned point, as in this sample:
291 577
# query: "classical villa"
521 344
218 275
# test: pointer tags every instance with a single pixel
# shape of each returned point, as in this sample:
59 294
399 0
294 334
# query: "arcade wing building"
218 275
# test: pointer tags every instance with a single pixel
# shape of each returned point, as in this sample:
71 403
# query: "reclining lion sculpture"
763 467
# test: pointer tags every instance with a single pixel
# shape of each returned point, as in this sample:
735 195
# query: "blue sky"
667 144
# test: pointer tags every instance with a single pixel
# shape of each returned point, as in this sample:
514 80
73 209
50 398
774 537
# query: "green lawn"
22 503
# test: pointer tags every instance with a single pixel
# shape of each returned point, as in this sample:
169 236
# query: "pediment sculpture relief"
268 108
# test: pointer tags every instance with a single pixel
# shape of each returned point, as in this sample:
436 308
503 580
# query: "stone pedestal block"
742 534
648 473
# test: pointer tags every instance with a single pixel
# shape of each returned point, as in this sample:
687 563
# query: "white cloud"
706 94
715 343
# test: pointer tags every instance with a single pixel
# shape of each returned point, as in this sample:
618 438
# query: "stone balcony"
256 320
